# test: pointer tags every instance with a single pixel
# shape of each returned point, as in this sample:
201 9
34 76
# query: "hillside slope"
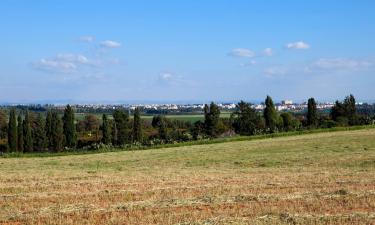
317 178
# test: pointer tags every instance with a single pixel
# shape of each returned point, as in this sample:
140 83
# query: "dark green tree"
345 113
20 134
48 129
12 131
57 133
246 121
3 125
351 111
121 119
312 114
137 126
40 139
160 122
70 136
211 119
27 134
289 122
106 130
270 115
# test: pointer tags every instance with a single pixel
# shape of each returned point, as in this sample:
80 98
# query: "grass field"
324 178
183 117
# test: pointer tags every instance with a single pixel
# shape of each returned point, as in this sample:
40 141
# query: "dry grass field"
326 178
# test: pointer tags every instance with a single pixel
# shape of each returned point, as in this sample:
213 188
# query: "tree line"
52 132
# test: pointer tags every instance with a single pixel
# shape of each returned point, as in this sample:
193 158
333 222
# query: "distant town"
285 105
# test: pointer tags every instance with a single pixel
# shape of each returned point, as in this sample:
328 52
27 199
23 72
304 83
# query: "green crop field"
322 178
183 117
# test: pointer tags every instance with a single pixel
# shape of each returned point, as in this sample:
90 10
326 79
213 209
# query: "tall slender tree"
57 133
27 134
20 134
270 114
106 130
40 140
48 129
12 131
70 136
121 119
137 126
312 115
211 119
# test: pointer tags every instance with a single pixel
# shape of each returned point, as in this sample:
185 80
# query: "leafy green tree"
12 131
137 126
246 121
106 130
211 119
289 122
270 115
20 134
48 129
27 134
121 119
40 139
345 113
70 136
312 114
57 133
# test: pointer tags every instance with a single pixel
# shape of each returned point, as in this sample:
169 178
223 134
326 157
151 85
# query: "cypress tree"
211 119
27 134
70 135
270 114
106 130
40 134
312 116
48 129
57 133
20 134
137 126
121 119
12 131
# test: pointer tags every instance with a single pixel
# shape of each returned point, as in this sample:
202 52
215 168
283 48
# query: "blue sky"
164 50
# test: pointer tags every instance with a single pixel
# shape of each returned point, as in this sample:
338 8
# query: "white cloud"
87 38
110 44
242 52
166 76
65 63
268 52
298 45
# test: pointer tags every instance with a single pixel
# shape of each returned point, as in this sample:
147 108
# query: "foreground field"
326 178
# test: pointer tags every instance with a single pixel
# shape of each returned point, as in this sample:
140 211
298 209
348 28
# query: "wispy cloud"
87 38
300 45
55 65
110 44
340 64
251 63
268 52
242 52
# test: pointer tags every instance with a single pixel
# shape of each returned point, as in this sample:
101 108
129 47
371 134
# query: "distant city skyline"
186 51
